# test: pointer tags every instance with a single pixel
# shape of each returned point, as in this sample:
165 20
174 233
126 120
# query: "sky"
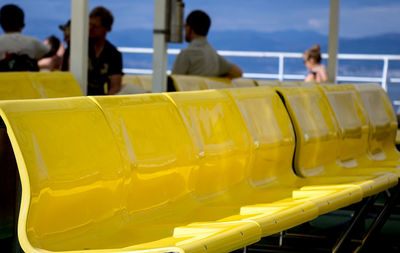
358 18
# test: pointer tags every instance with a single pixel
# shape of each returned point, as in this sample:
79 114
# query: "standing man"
105 62
18 52
200 58
66 28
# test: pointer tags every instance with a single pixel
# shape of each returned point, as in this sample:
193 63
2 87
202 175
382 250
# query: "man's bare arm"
234 72
115 84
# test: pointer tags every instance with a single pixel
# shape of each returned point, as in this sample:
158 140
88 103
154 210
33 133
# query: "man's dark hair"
107 18
11 18
54 43
199 21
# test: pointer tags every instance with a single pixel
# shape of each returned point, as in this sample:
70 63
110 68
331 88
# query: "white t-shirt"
21 44
201 59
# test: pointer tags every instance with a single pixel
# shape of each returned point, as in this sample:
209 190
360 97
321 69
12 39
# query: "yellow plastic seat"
69 167
222 139
276 83
130 79
146 82
309 83
398 137
243 82
193 83
131 85
30 85
290 84
354 129
319 143
134 84
55 84
217 82
271 83
382 122
188 83
17 85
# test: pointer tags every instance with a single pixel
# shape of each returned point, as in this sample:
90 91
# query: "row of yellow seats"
192 83
133 84
206 171
29 85
348 126
143 83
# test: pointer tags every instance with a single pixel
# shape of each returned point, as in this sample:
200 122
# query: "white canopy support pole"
79 42
333 40
160 46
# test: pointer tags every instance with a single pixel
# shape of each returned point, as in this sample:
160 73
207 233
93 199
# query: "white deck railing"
281 56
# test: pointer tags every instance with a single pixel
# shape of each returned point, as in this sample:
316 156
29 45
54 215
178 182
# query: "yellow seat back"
383 121
350 114
142 81
223 140
317 131
309 83
217 82
67 157
130 80
155 141
243 82
271 83
290 84
17 85
131 85
398 137
146 82
56 84
272 136
188 83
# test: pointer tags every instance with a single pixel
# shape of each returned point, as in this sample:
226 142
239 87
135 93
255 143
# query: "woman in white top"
312 60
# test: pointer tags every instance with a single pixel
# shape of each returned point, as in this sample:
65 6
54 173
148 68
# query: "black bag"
15 62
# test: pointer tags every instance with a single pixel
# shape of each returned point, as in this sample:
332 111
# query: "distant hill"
287 41
246 40
282 41
380 44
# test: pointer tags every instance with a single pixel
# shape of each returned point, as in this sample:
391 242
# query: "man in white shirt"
200 58
12 41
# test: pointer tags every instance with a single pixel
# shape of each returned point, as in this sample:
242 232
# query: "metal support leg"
357 217
16 245
380 220
281 234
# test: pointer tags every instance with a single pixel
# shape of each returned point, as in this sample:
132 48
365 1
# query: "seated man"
200 58
16 46
105 61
